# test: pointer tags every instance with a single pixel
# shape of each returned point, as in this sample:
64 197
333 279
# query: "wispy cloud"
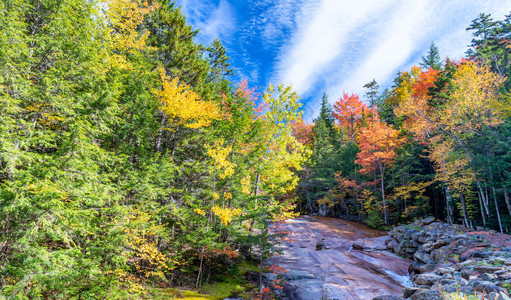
215 20
334 45
324 30
342 45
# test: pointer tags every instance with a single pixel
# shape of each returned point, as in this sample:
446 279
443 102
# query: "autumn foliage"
350 111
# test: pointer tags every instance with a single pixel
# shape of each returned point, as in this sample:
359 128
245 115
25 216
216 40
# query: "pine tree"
372 92
219 61
432 59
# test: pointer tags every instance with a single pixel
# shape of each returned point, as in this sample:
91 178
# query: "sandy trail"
338 272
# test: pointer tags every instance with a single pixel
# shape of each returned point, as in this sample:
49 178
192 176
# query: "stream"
339 271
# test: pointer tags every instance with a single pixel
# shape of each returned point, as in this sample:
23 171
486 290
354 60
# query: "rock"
467 289
357 245
503 296
487 287
446 270
423 238
371 244
467 273
427 221
498 260
456 267
426 295
486 269
387 297
423 257
488 277
392 244
474 281
448 281
409 291
411 244
297 275
426 279
432 245
504 276
398 248
408 234
449 288
320 245
442 255
416 235
427 268
414 268
410 251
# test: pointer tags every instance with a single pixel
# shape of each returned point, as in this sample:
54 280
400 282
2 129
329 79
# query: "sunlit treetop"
183 107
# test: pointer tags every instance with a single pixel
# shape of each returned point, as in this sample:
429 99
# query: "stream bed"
339 271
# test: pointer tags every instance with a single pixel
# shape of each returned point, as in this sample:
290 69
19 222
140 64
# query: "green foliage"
100 197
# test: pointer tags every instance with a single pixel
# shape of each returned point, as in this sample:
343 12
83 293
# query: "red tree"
349 112
378 143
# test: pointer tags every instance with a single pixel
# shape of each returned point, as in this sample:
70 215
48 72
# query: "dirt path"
337 272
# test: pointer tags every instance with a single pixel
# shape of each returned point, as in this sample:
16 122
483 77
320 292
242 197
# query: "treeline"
128 159
436 143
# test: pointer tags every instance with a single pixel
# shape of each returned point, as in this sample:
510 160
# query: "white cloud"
322 33
214 21
394 43
342 54
334 45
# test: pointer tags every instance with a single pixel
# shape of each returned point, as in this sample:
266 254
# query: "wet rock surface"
452 261
337 270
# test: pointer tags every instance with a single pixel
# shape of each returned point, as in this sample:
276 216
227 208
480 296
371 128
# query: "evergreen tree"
218 61
325 152
372 92
432 59
491 43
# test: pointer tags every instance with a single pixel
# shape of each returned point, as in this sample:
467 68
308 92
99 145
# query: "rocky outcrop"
451 260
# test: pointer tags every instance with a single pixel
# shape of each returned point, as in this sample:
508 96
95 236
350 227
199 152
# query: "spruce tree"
432 59
372 92
219 61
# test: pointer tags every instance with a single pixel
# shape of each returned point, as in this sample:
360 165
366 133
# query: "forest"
132 164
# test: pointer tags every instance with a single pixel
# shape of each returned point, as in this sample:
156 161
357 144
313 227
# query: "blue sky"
333 45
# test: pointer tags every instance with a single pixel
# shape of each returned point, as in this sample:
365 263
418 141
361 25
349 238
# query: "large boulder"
409 291
423 257
427 221
426 279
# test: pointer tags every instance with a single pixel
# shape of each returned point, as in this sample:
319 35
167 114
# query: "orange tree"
378 143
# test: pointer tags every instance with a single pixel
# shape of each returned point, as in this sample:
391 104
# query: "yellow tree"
183 107
124 19
471 105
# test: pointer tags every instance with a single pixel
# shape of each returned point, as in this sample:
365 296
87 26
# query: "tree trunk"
497 210
464 208
487 198
383 196
508 201
481 206
448 200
